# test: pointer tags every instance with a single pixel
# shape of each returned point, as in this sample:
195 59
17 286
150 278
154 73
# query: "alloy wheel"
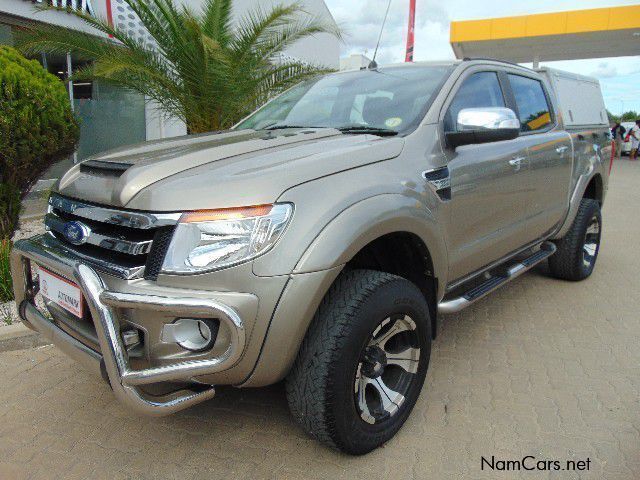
591 243
386 369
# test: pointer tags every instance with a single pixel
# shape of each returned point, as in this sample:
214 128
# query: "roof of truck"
439 63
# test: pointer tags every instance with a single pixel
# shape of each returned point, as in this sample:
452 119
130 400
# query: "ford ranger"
319 240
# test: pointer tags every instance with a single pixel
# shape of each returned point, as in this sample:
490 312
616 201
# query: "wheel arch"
588 186
595 189
366 222
404 254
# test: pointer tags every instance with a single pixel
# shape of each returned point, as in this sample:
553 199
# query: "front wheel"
578 250
363 362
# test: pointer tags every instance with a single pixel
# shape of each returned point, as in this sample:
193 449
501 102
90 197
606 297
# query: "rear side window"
479 90
533 108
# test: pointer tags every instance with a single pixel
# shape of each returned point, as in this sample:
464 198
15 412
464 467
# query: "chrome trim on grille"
117 242
56 224
55 248
123 218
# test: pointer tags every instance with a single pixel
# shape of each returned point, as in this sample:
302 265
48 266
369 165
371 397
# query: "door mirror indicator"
484 125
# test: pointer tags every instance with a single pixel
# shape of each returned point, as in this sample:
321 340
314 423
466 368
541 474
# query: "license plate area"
64 293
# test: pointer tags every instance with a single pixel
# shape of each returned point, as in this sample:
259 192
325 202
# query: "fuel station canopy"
572 35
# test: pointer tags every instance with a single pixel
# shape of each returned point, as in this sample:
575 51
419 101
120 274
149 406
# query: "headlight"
212 239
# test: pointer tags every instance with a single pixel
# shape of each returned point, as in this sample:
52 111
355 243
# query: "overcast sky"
361 20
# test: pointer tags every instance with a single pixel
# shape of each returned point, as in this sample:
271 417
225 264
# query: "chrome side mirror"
484 125
494 118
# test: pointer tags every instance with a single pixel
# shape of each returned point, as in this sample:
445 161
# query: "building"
112 117
354 62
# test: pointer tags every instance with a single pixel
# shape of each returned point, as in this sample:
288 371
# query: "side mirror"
484 125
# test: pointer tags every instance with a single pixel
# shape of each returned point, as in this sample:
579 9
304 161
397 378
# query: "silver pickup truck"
319 240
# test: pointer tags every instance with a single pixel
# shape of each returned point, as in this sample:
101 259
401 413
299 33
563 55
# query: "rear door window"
533 108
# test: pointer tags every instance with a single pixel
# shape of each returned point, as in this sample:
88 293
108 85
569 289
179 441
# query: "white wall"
159 126
323 49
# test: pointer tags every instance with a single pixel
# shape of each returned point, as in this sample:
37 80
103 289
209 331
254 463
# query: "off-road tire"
567 263
320 388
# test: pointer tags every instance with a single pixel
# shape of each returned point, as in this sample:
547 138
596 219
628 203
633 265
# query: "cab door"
487 183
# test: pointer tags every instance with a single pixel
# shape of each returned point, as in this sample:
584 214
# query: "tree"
201 68
37 129
629 116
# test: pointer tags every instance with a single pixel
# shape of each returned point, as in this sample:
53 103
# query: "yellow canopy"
594 33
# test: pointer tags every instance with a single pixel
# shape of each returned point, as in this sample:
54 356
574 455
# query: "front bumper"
113 361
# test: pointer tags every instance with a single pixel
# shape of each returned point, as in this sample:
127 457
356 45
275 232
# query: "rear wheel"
577 252
363 362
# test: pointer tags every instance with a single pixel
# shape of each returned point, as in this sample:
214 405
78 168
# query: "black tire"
320 386
571 262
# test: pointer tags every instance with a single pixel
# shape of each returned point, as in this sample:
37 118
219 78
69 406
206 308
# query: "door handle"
562 149
516 163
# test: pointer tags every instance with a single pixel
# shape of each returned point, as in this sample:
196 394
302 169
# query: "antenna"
373 65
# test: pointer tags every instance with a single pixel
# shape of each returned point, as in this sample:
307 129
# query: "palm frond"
216 20
257 24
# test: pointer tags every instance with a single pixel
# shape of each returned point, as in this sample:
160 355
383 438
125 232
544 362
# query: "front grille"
117 240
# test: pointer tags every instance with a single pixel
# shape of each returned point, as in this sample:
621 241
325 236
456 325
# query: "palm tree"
200 67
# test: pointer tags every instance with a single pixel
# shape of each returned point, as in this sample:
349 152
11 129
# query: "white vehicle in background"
626 146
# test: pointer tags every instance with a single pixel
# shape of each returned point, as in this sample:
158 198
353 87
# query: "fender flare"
354 228
577 196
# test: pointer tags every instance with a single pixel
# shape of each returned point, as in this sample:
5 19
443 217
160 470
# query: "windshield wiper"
383 132
278 126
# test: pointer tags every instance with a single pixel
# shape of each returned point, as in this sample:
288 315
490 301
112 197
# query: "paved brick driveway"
542 368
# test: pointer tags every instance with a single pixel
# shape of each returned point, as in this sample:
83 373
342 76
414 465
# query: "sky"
360 21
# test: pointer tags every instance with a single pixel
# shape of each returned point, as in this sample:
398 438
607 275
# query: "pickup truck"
319 240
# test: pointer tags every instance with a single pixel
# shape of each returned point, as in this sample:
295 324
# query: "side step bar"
493 282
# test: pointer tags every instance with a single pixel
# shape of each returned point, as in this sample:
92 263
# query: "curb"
17 330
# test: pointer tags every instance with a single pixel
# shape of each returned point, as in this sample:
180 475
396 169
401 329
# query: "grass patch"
6 284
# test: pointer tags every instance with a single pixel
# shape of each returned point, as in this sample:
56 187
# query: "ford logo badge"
76 232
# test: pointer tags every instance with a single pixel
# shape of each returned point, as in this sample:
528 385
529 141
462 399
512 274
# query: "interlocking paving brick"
541 367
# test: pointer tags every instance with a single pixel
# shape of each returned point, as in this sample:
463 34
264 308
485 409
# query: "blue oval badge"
76 232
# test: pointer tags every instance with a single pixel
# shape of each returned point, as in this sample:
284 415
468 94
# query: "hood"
228 169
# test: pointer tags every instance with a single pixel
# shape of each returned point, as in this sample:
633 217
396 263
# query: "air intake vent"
112 169
159 248
440 181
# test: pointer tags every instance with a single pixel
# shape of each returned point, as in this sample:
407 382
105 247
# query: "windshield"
392 99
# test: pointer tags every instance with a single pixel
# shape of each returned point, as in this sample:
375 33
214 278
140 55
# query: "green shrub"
9 209
6 288
37 128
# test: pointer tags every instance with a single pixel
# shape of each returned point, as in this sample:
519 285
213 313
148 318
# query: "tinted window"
481 89
531 101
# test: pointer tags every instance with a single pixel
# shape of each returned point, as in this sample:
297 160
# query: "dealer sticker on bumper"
61 291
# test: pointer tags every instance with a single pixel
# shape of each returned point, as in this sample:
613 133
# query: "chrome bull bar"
102 302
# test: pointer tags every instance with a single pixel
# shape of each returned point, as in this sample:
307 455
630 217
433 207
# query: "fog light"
195 334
